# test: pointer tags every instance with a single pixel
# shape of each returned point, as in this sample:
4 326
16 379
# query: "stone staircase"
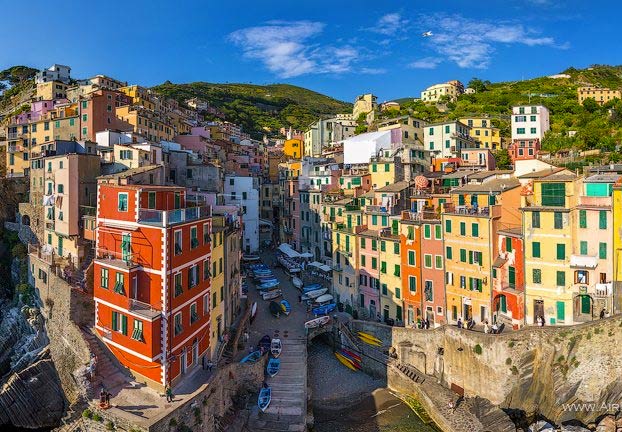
109 373
288 409
411 373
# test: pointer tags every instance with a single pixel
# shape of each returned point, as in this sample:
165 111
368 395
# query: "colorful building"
483 131
508 276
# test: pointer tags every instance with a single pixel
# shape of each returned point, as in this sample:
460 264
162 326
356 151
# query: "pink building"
432 272
369 277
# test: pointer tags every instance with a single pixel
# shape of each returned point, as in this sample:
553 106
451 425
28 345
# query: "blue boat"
287 308
324 310
265 276
252 357
273 366
268 285
312 287
258 265
265 396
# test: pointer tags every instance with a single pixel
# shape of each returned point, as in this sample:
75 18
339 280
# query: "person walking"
210 365
602 313
169 394
459 324
495 328
486 327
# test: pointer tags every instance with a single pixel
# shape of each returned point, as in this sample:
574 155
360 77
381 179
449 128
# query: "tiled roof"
498 185
394 187
130 172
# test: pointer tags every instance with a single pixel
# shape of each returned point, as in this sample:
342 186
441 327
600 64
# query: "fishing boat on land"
286 307
273 367
252 357
317 322
322 300
324 310
314 294
271 295
345 361
253 311
268 285
297 282
369 336
250 258
312 287
276 347
265 396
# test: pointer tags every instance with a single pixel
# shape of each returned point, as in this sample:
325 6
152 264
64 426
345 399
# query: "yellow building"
51 90
483 131
390 277
600 95
216 303
548 205
347 223
470 222
293 148
385 171
146 122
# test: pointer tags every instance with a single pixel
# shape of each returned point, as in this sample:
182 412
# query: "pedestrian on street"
602 313
108 399
169 394
210 365
495 328
459 324
486 327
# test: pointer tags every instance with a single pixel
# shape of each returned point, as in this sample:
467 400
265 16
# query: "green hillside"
259 109
597 127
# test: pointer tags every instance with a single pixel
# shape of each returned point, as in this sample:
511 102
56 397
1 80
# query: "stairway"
288 408
108 372
411 373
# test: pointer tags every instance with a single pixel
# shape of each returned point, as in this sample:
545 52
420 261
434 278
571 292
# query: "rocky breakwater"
561 373
30 392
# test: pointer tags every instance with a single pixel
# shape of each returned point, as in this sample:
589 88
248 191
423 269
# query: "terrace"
164 218
472 210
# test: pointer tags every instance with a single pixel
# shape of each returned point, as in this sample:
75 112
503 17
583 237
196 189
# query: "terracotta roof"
497 185
514 231
542 173
394 187
485 174
130 172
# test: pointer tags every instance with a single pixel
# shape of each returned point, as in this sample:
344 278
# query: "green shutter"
512 276
558 220
396 248
535 249
508 244
426 231
503 304
124 324
553 194
582 219
475 230
583 248
383 246
460 199
561 251
449 253
411 258
462 255
463 228
602 219
561 278
448 226
561 311
115 321
586 305
363 243
602 250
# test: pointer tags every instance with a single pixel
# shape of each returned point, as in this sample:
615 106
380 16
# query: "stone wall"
536 370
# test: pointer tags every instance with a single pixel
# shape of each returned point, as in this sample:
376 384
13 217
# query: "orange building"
152 279
411 266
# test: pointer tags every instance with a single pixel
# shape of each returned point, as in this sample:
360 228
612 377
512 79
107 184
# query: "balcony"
488 211
164 218
387 233
583 261
116 259
380 209
15 135
352 207
15 148
603 290
145 310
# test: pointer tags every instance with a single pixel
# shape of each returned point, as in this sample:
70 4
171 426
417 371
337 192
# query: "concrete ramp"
288 409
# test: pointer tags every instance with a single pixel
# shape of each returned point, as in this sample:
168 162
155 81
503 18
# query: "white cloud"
285 48
425 63
390 24
470 43
372 71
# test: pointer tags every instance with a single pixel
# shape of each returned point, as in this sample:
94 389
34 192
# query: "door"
60 246
411 315
538 309
385 313
372 309
125 246
135 287
183 358
195 353
483 313
468 312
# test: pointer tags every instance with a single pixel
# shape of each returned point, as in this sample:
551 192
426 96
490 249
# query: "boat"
369 336
273 367
250 258
265 276
370 341
253 311
271 295
265 396
252 357
351 355
297 282
323 310
264 343
312 287
286 307
324 299
345 361
268 285
317 322
276 347
356 363
314 294
275 309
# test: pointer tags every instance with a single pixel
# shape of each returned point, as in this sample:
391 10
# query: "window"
178 246
561 311
411 258
374 244
449 252
581 277
398 293
463 228
104 278
205 304
535 249
119 285
383 267
396 270
438 261
151 200
602 219
206 234
193 276
438 234
137 333
561 278
553 194
558 220
206 272
602 250
411 234
178 324
427 260
119 323
178 287
122 201
412 284
561 251
462 281
475 230
448 226
463 255
194 316
582 219
363 243
532 130
194 239
536 276
520 131
396 248
374 263
383 246
427 231
363 260
512 276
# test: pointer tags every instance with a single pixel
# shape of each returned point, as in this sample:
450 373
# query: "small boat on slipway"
252 357
276 347
273 367
317 322
275 309
297 282
314 294
286 307
324 310
265 396
271 295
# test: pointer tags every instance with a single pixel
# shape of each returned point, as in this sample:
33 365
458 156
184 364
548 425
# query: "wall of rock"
535 370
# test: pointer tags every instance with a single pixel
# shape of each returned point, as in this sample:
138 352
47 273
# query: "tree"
503 160
590 105
478 85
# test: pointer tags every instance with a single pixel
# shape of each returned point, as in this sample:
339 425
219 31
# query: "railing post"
165 218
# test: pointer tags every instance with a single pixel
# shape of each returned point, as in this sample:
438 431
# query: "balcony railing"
472 210
170 217
15 149
125 259
143 309
418 216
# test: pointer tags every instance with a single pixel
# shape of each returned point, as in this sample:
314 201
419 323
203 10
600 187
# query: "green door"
386 314
60 246
561 311
349 221
177 200
125 247
586 305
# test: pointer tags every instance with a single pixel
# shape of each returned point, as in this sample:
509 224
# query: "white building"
244 193
55 72
452 89
530 122
446 139
326 131
359 149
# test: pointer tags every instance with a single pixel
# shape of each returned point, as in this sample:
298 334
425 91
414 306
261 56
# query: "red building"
152 279
411 266
522 149
98 113
432 272
508 296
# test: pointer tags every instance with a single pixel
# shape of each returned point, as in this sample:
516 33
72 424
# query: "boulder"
607 424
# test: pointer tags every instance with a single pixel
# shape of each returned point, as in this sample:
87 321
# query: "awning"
306 255
325 268
499 262
583 261
315 264
287 250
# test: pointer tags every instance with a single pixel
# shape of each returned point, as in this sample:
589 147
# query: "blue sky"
340 48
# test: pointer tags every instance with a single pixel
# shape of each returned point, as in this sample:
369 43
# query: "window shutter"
124 324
